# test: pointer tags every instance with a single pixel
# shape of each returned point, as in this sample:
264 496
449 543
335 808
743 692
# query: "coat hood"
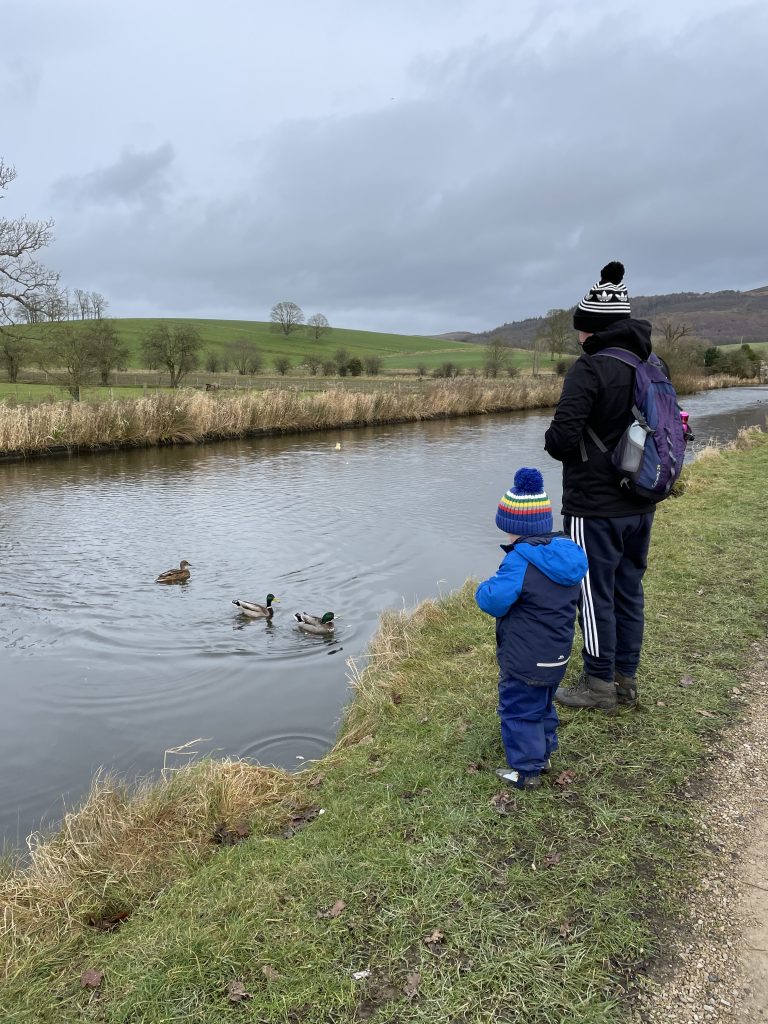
554 554
634 335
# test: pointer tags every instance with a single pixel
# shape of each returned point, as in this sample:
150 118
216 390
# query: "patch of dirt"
717 968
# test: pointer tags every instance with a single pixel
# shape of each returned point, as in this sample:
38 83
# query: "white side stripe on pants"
589 621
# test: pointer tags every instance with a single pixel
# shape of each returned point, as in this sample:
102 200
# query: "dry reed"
187 416
126 842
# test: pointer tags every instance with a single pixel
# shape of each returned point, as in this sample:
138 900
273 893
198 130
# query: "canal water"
102 668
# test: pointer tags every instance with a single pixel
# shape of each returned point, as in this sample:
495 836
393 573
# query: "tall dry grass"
126 842
186 416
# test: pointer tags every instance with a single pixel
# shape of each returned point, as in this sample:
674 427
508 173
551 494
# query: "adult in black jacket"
611 524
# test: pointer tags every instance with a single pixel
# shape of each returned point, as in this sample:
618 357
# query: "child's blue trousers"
528 724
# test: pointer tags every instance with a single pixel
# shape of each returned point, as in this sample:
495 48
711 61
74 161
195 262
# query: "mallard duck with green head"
258 611
180 575
316 624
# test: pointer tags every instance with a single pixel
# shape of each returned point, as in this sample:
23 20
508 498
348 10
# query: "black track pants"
611 601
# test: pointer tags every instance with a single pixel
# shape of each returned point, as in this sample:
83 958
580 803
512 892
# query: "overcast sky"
406 165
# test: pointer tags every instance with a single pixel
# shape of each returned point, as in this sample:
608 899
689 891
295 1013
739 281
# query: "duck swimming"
180 575
258 611
318 626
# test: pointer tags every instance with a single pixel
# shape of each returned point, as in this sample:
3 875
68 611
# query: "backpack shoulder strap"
623 355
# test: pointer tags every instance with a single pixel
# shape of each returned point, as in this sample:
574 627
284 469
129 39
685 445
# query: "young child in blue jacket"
533 597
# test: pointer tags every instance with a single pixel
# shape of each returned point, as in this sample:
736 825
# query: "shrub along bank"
187 416
421 892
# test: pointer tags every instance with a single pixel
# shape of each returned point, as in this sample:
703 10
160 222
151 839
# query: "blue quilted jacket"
533 597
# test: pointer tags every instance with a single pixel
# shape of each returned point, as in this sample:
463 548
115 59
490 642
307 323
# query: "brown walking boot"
626 690
589 692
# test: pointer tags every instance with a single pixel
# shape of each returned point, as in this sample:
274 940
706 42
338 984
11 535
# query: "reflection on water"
102 667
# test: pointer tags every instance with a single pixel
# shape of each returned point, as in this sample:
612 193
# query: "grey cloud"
134 178
496 192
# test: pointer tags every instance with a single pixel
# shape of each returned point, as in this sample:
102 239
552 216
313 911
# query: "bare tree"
212 361
245 356
673 332
497 357
318 325
15 351
282 364
98 305
373 365
109 352
286 317
557 332
69 357
176 348
23 281
83 300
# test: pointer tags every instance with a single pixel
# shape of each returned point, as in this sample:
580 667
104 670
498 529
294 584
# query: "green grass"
546 911
756 346
298 345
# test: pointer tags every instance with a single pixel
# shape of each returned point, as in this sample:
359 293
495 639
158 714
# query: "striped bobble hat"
525 509
605 302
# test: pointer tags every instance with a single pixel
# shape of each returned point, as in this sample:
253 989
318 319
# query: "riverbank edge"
176 418
526 903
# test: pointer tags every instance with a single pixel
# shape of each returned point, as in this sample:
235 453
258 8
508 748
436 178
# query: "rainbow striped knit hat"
525 509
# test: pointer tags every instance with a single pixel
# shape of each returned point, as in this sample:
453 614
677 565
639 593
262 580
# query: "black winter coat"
598 392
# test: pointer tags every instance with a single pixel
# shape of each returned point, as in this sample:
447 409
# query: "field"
398 351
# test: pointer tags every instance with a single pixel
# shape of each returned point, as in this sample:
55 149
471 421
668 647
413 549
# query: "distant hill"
720 318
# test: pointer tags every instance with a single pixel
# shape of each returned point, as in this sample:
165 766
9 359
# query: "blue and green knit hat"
525 509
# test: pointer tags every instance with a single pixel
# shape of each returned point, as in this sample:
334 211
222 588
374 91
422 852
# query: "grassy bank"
186 416
457 903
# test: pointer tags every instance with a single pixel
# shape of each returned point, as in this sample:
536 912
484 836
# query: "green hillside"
399 351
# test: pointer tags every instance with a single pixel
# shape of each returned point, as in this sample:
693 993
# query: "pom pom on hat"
612 273
528 481
525 509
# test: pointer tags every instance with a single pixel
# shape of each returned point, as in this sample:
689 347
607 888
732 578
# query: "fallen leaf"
334 910
412 985
299 820
270 973
551 859
360 975
434 940
660 704
91 979
225 836
686 681
700 591
706 714
462 727
109 924
565 930
424 721
473 768
236 991
316 780
504 802
565 778
365 741
397 698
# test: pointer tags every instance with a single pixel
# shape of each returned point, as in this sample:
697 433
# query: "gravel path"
717 969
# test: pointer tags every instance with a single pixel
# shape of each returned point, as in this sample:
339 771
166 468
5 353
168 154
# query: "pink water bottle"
684 418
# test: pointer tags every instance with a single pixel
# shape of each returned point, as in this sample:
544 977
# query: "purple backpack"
649 454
